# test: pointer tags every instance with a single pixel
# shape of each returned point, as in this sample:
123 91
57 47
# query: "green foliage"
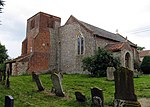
145 66
98 63
140 48
3 53
2 67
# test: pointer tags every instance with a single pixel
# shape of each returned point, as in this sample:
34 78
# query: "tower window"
32 24
50 23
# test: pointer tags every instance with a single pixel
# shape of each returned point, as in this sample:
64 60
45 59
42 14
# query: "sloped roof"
114 47
144 53
102 33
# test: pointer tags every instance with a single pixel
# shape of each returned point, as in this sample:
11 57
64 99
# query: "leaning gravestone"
7 80
110 73
97 97
7 83
80 97
38 81
57 85
124 89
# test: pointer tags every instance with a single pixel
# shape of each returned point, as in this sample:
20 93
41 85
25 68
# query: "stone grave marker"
97 97
4 75
80 97
110 73
9 101
124 89
57 85
97 102
38 82
7 83
7 80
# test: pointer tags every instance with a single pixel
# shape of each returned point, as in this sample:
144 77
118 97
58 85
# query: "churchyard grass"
25 94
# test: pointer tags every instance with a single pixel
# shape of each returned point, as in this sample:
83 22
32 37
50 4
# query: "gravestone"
110 73
80 97
38 82
97 102
57 85
7 83
124 88
97 97
9 101
7 80
4 75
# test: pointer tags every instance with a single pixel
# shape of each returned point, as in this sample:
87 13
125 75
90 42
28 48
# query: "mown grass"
25 94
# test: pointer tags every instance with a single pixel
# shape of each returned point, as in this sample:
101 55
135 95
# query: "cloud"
125 15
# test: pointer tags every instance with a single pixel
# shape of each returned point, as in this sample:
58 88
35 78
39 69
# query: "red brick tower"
39 46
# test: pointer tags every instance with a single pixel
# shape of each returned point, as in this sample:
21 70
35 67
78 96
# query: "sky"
130 17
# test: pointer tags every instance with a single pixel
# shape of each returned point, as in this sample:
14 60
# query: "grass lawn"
23 89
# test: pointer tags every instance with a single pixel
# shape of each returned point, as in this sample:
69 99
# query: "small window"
50 24
32 24
80 45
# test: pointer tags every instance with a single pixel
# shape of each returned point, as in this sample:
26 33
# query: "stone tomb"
38 82
97 97
124 89
110 73
57 84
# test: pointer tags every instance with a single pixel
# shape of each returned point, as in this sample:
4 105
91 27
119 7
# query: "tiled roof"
144 53
114 47
105 34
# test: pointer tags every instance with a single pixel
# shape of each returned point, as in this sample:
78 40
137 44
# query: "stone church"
48 46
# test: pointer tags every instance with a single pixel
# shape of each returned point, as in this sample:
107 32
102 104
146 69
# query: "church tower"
40 44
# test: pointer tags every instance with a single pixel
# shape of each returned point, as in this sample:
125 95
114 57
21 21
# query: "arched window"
80 45
127 60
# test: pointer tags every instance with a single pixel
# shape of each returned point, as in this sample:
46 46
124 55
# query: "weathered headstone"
57 85
7 83
7 80
110 73
97 102
80 97
124 89
97 97
38 81
9 101
4 75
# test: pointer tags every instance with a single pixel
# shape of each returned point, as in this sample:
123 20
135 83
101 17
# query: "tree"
98 63
140 48
3 57
145 66
1 4
3 53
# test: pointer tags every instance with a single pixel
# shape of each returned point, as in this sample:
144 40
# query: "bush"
145 66
98 63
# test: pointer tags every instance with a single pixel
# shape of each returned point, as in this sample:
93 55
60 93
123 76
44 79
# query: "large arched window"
80 45
127 60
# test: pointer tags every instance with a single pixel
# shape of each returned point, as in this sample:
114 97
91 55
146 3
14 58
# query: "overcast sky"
130 17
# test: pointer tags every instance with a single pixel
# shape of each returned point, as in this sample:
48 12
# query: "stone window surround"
80 44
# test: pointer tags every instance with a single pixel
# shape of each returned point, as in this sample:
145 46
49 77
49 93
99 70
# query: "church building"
48 46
